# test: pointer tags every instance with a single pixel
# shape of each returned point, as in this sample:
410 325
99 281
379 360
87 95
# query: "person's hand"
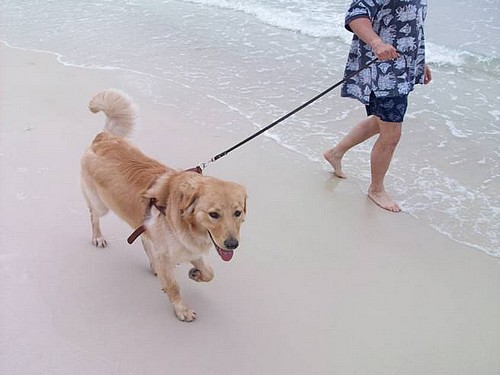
427 74
384 51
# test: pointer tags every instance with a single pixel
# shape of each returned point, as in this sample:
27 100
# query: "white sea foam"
454 130
321 20
496 114
442 55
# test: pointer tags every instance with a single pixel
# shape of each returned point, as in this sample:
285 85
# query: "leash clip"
202 166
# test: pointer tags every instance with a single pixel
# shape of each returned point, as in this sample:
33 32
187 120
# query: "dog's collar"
136 233
152 203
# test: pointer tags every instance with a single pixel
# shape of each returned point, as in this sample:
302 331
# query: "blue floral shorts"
388 109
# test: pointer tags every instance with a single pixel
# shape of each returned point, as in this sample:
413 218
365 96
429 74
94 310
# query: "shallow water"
253 61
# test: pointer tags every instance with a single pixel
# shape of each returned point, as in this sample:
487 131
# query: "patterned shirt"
399 23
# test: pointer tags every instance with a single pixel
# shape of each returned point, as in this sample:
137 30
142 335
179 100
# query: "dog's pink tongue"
226 255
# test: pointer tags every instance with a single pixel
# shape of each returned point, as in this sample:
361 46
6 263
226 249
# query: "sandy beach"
324 282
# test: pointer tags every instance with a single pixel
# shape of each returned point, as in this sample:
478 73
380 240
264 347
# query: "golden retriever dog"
180 215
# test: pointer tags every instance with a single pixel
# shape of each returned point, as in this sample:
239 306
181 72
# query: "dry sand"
324 282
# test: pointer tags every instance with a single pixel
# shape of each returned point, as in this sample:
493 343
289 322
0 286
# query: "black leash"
201 167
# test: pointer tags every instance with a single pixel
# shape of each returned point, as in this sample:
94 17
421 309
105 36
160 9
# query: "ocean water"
258 59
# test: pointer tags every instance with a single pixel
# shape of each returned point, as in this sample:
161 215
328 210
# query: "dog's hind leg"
97 209
98 239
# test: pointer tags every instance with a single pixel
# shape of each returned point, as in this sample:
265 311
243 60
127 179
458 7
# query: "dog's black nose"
231 243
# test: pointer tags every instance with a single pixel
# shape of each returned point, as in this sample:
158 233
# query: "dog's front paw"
184 314
99 242
198 276
195 274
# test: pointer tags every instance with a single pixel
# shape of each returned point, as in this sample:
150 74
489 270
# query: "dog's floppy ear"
189 193
188 203
184 191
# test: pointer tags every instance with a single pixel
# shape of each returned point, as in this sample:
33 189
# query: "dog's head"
207 206
220 208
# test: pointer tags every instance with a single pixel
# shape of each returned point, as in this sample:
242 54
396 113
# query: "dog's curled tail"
121 112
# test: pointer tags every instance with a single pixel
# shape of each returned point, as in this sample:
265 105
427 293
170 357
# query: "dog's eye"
214 215
237 213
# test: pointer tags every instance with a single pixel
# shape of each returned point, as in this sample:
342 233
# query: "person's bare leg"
381 157
360 133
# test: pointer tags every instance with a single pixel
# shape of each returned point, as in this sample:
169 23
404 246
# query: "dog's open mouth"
226 255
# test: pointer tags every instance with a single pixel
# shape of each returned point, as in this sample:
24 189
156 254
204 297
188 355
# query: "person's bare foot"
334 158
382 199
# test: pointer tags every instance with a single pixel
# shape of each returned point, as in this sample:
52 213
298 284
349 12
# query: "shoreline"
325 280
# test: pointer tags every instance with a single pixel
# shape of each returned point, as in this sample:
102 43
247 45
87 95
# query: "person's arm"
363 28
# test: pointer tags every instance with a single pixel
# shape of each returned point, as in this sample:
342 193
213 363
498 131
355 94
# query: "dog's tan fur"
201 212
